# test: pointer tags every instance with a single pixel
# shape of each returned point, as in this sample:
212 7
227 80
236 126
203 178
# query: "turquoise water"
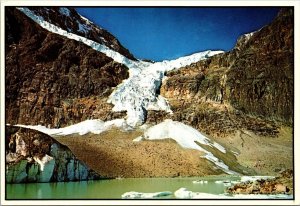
112 189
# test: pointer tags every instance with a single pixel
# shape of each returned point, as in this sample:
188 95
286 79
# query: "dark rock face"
52 80
261 80
68 19
32 156
248 87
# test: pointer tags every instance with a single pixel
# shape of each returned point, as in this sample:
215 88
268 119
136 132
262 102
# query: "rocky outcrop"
51 80
32 156
250 87
283 184
261 80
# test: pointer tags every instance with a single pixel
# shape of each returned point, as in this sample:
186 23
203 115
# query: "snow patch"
138 139
186 137
219 163
83 28
249 35
42 162
95 126
64 11
235 153
141 195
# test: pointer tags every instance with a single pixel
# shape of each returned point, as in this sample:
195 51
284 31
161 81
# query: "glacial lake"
113 189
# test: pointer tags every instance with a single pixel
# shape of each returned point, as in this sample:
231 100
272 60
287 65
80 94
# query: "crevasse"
138 93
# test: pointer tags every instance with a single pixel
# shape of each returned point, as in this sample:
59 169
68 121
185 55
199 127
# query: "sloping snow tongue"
95 126
187 137
134 66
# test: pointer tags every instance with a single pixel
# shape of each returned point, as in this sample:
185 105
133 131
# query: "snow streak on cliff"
137 94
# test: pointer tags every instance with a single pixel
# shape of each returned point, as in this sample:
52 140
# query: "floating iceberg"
141 195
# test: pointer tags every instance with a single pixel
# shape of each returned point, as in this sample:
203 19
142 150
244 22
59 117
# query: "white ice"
95 126
183 193
43 161
254 178
186 137
137 94
132 65
64 11
200 182
141 195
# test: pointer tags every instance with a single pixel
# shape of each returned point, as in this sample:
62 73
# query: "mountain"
253 84
56 99
68 19
53 80
205 113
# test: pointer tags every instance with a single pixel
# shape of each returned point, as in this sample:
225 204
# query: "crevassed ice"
137 94
187 137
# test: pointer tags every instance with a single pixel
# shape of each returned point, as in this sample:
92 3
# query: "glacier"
135 95
138 93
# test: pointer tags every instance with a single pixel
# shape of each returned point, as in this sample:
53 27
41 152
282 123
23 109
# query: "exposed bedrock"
32 156
250 87
55 81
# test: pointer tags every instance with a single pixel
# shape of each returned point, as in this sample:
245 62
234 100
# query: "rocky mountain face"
32 156
55 81
250 87
69 20
52 80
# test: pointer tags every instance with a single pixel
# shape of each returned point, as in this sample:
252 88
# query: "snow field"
186 137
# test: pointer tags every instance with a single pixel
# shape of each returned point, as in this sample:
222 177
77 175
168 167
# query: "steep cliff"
52 80
250 87
68 19
32 156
